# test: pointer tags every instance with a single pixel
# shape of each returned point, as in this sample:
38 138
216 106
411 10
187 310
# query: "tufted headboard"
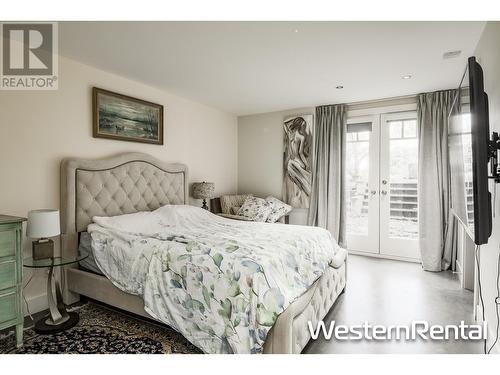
122 184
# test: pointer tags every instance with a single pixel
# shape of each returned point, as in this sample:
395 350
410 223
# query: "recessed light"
408 76
451 54
295 31
339 87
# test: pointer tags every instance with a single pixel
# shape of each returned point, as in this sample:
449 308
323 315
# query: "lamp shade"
43 224
203 190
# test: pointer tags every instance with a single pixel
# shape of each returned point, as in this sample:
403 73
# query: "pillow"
235 209
227 202
138 222
256 209
143 222
278 209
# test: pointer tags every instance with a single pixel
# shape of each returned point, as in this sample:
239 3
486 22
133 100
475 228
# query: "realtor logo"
29 56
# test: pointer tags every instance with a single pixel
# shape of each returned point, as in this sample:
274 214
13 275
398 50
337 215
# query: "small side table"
58 319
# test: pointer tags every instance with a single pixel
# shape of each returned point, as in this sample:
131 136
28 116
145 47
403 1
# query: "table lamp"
203 190
43 224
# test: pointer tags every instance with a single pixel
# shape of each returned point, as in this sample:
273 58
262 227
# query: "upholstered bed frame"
135 182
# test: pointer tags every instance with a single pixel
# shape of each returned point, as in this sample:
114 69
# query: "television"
470 151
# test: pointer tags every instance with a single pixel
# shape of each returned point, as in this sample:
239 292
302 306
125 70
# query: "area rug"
103 331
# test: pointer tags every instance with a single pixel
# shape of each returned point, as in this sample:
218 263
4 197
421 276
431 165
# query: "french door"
381 185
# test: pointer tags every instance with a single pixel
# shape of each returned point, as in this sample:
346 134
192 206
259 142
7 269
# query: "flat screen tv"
470 150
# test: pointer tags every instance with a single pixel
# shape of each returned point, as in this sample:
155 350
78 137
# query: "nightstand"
11 274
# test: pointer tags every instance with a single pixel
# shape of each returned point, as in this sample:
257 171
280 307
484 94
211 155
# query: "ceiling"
255 67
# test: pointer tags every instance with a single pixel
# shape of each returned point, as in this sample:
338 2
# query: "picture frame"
297 160
125 118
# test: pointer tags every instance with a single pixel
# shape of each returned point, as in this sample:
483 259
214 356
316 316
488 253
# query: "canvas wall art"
297 160
122 117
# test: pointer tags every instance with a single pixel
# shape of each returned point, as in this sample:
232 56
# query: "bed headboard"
121 184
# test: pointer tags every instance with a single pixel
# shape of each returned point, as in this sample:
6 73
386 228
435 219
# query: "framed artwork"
121 117
297 160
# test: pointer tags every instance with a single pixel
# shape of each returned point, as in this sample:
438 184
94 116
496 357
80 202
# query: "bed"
135 182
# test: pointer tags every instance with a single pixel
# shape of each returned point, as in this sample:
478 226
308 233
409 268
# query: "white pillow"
138 222
278 209
256 209
143 222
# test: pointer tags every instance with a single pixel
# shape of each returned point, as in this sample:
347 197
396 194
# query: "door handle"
384 192
373 192
384 182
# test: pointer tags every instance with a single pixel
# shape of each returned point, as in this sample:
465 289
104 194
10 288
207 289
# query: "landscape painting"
297 161
125 118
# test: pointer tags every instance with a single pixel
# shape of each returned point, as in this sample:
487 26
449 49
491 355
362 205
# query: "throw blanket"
220 282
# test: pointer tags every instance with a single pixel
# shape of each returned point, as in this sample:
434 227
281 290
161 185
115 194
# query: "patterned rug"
103 331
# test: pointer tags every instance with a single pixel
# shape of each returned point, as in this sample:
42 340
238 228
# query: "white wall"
489 57
39 128
260 156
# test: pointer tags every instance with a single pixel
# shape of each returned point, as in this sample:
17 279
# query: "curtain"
326 208
437 228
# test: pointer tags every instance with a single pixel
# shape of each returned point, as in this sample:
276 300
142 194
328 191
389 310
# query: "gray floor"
392 292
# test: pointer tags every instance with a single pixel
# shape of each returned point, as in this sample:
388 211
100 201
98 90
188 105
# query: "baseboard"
35 304
381 256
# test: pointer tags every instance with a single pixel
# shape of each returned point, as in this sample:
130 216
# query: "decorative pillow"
278 209
227 202
235 209
256 209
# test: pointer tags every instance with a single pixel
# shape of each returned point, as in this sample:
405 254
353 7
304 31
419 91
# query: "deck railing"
403 197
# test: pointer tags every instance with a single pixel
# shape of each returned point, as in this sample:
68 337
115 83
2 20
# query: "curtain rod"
395 98
373 101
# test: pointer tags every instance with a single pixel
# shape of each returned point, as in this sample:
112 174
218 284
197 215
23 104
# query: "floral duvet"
221 283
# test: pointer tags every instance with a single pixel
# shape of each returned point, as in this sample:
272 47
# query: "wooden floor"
391 292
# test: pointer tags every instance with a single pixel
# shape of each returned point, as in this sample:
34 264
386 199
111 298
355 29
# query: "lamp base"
204 206
43 249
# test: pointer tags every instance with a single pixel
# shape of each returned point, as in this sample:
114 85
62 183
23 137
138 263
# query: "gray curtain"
437 228
327 196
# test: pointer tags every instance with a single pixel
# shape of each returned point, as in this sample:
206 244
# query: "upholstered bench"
227 206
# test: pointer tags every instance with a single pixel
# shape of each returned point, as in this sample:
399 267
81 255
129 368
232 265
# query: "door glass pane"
395 129
410 129
403 169
358 173
351 137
